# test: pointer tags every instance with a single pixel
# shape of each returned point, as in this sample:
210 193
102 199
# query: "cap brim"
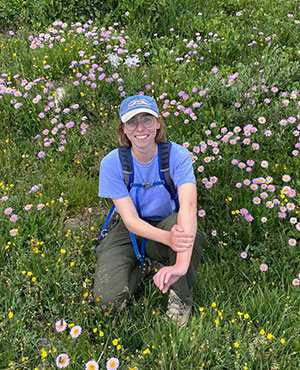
134 112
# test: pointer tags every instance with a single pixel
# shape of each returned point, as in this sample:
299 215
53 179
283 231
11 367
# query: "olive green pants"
118 272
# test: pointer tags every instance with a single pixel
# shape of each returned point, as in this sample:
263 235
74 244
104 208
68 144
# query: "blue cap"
137 104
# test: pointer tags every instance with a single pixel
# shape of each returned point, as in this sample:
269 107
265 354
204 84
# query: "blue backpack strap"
104 228
127 165
164 149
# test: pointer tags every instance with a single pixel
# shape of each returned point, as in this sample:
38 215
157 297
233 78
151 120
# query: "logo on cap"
138 102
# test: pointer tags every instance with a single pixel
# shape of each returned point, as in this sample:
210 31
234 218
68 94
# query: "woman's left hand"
167 276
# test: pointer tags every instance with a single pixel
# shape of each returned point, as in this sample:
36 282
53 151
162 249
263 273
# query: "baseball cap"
137 104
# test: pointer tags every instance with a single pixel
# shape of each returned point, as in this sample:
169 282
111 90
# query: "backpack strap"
127 165
164 149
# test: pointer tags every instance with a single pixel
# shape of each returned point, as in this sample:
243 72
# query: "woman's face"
141 129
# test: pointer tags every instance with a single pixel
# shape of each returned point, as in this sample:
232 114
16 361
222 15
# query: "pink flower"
91 365
62 361
112 364
60 325
263 267
244 255
292 242
75 331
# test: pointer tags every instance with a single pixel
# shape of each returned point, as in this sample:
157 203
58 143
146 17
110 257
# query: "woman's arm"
176 238
187 219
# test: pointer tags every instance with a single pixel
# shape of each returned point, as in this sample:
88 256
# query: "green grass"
243 318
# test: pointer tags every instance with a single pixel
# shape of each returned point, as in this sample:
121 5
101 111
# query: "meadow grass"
226 78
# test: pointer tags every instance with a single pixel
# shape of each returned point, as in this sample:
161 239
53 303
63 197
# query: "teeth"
142 137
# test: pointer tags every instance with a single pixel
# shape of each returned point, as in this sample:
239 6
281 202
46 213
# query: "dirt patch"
91 216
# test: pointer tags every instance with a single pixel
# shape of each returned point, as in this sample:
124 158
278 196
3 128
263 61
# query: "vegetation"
225 75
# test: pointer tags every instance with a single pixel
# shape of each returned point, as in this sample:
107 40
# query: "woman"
149 213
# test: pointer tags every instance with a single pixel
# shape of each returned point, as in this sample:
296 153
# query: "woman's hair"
160 135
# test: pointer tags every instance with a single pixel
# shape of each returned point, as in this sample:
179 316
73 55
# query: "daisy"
60 325
62 361
201 213
75 331
263 267
112 364
244 255
292 242
296 282
91 365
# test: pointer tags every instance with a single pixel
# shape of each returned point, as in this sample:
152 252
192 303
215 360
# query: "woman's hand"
167 276
180 241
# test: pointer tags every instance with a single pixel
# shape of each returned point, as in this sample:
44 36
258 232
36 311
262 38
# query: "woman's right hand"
180 241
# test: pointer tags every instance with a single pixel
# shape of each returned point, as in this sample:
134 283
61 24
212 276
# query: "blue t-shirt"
155 202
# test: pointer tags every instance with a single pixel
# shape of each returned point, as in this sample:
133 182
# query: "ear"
159 122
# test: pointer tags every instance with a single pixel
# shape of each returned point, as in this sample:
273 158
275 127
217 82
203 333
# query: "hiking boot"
177 311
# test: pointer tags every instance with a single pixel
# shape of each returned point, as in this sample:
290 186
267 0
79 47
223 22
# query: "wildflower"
28 207
40 206
244 255
14 218
264 219
296 282
13 232
112 364
41 154
214 232
261 120
60 325
201 213
4 199
91 365
236 344
262 332
10 315
269 336
286 178
292 242
75 331
8 211
62 361
263 267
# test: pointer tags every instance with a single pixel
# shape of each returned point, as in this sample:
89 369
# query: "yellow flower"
63 251
115 342
269 336
201 309
101 334
217 322
240 313
282 340
10 315
213 304
236 344
262 332
246 316
119 347
146 351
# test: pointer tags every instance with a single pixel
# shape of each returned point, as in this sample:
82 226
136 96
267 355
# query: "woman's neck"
144 155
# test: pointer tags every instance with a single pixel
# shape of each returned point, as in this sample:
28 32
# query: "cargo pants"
118 273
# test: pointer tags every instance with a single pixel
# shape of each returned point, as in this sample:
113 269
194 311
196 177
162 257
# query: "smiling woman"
152 185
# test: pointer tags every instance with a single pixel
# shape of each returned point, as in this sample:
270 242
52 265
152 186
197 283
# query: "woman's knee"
109 299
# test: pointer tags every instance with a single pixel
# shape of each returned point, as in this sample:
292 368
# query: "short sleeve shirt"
155 202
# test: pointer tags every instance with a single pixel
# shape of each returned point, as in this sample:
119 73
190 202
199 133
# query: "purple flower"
263 267
244 255
296 282
13 218
62 361
8 211
41 154
292 242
